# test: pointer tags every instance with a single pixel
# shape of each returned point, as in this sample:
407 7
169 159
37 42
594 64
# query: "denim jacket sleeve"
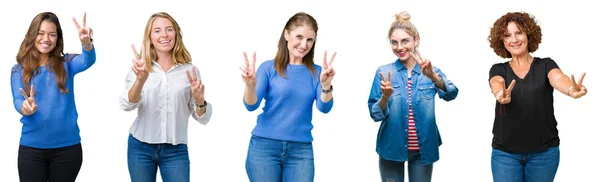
451 90
374 98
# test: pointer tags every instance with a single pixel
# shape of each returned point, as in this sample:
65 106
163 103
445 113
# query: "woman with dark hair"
281 144
525 143
42 90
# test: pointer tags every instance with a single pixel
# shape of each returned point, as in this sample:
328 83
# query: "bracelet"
328 90
201 106
438 80
91 42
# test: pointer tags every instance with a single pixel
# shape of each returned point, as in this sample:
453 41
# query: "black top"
527 123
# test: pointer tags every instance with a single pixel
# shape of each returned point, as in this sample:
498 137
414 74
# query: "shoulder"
389 66
16 68
267 65
545 60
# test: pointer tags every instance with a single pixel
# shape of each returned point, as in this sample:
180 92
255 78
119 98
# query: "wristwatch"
91 42
328 90
201 106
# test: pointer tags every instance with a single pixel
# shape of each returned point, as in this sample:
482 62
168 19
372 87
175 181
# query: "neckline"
528 71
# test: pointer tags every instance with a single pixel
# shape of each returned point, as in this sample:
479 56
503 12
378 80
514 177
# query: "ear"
286 35
417 42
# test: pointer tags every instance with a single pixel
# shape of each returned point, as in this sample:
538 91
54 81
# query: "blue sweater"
54 124
287 113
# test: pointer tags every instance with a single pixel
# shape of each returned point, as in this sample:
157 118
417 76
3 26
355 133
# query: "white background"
454 36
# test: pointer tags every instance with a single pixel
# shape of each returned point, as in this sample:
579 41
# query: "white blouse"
165 105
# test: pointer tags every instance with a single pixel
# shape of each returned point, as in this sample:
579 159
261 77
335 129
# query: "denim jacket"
392 139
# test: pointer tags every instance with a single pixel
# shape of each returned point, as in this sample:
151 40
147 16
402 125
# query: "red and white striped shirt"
413 143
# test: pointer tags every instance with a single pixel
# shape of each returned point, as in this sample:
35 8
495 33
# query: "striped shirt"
413 143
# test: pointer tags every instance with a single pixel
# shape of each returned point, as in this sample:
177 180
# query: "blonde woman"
402 98
166 89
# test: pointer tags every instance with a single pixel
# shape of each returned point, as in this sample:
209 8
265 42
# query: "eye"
310 40
393 42
53 35
299 37
519 33
405 41
170 29
156 31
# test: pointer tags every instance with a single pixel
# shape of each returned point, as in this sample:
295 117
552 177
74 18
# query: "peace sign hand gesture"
196 85
29 106
386 85
139 64
248 71
425 64
85 33
577 90
328 72
503 95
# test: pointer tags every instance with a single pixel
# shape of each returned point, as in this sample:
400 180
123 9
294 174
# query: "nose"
163 34
46 37
304 43
512 38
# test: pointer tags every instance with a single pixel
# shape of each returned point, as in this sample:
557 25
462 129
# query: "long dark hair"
29 57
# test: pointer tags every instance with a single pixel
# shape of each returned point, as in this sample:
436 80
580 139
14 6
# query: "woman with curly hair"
525 143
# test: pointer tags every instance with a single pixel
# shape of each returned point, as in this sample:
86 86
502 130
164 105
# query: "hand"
328 72
248 71
386 85
85 33
197 86
29 103
577 90
425 64
503 95
139 64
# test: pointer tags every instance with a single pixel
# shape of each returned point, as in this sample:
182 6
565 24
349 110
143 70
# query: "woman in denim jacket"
402 96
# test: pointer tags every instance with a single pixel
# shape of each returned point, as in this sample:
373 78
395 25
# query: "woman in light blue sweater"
42 90
280 148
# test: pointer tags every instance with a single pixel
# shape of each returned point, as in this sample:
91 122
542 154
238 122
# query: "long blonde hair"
179 53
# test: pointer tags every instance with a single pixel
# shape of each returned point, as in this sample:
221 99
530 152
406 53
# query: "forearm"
250 95
497 83
135 92
326 97
439 82
383 103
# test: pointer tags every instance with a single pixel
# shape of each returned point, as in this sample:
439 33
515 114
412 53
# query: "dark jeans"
52 165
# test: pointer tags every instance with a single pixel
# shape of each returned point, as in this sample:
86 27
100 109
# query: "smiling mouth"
45 45
164 42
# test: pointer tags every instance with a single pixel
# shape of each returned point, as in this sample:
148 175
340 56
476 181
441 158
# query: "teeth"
165 41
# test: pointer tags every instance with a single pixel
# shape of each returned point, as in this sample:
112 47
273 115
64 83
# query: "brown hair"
282 59
403 22
525 22
180 53
29 57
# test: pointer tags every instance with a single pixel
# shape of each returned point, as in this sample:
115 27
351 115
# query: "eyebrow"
160 27
45 31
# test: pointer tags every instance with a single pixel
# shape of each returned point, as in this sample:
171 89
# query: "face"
46 37
515 40
402 44
162 35
300 40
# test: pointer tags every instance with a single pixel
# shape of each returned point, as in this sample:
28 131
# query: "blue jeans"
393 171
271 160
525 166
143 159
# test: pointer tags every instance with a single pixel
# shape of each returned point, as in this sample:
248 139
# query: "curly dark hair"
525 22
